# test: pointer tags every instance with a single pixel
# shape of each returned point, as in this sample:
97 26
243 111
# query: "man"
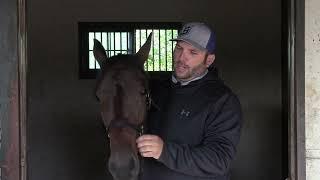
195 131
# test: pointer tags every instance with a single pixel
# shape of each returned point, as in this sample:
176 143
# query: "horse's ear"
99 53
143 52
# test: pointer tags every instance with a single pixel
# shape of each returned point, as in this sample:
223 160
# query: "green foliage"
160 56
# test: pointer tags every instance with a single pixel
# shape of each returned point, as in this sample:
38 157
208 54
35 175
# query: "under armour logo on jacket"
184 113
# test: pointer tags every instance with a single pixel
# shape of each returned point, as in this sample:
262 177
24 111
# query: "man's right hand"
150 146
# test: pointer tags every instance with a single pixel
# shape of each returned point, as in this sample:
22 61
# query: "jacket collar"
175 80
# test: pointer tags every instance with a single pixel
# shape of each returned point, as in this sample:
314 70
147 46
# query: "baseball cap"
198 34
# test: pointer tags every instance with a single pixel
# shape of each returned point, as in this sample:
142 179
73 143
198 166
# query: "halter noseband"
121 123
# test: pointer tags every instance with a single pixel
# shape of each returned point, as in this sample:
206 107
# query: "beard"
186 73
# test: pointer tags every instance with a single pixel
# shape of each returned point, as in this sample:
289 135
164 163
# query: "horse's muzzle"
124 167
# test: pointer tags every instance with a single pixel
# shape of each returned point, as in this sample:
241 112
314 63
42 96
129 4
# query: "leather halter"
138 128
121 123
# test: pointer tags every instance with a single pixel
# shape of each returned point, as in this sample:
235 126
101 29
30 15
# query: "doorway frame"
293 46
22 86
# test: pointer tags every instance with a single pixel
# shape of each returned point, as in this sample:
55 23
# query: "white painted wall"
312 88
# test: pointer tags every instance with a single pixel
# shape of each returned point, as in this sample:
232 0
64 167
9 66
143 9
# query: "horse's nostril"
135 164
112 166
129 167
131 163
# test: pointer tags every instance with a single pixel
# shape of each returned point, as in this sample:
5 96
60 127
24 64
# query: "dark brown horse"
122 90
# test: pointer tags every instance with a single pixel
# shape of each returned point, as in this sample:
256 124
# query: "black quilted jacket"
200 124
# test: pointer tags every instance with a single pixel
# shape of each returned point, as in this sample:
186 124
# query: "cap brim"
196 45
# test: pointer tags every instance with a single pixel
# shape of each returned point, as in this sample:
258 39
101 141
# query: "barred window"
126 38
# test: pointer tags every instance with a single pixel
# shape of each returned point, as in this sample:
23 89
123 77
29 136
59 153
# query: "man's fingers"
146 143
150 145
146 149
147 154
146 137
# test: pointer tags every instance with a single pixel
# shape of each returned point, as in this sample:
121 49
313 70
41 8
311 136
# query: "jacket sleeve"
214 155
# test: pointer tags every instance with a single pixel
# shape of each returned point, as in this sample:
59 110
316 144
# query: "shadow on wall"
86 148
69 146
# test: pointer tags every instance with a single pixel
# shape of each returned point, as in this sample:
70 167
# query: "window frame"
83 33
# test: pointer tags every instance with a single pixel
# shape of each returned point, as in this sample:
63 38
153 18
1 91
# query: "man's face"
190 62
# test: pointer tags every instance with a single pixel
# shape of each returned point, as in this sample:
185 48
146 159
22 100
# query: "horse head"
122 90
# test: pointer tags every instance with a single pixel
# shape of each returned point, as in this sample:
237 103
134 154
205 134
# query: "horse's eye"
97 98
144 92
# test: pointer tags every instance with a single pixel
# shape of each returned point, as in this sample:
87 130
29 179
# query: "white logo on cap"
185 30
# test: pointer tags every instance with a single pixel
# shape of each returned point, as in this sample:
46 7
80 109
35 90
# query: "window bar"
95 64
128 39
140 46
159 50
125 48
94 37
133 41
107 44
95 67
146 33
152 51
140 39
128 43
114 43
109 41
120 42
172 48
166 48
122 49
88 66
